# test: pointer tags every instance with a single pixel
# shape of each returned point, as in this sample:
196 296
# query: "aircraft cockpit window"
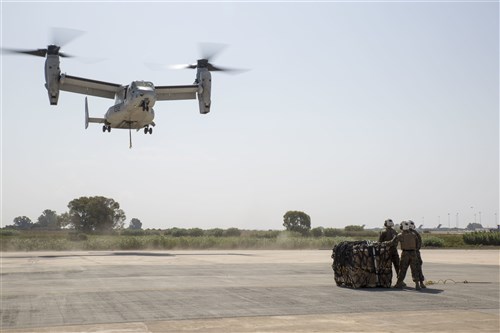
145 84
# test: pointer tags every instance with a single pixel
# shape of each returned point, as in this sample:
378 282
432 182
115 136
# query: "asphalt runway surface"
239 291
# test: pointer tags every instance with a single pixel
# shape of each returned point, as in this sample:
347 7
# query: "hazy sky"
351 112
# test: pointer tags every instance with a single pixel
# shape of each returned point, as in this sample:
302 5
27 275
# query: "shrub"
327 243
232 232
133 232
452 240
264 233
331 232
131 243
9 232
216 232
482 238
432 242
317 232
195 232
178 232
100 243
76 236
36 244
351 231
354 228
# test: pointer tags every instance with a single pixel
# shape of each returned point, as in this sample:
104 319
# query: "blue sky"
351 112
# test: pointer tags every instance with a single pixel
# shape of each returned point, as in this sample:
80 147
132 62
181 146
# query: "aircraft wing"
88 87
164 93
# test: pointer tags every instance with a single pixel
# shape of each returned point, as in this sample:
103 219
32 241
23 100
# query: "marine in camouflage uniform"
388 235
419 257
408 242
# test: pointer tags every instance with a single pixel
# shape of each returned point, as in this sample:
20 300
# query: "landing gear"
106 128
147 130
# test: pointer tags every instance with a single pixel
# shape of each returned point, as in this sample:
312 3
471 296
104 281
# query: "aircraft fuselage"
133 107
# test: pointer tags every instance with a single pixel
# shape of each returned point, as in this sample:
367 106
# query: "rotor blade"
182 66
62 36
38 52
65 55
213 68
211 50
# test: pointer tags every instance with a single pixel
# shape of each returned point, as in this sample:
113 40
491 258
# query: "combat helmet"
412 224
405 225
388 223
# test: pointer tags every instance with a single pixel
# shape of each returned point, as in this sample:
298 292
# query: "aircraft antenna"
130 135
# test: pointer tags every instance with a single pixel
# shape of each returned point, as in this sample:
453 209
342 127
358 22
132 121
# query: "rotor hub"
53 50
202 63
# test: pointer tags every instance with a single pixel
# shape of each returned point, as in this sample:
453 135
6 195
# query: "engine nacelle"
204 80
52 75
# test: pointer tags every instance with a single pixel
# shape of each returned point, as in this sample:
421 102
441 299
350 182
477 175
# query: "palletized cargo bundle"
362 264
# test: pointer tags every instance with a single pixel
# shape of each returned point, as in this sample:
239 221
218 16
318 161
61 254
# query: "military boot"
399 285
422 285
417 286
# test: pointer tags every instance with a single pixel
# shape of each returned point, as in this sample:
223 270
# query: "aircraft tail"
91 120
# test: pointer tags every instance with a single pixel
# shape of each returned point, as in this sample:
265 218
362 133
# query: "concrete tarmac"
239 291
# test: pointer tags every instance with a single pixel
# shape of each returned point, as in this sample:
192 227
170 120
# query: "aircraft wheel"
109 128
145 130
104 128
150 130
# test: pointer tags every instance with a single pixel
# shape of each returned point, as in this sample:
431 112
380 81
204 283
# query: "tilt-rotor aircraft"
134 102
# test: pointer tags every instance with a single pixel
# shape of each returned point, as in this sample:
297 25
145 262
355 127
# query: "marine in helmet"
387 235
408 241
413 229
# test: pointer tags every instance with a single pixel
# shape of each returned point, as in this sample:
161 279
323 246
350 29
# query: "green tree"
332 232
317 232
48 220
95 214
22 222
64 220
354 228
195 232
177 232
232 232
297 221
135 224
474 226
216 232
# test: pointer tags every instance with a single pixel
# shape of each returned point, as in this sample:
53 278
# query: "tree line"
96 214
101 215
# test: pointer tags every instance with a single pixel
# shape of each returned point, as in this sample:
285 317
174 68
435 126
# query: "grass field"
64 240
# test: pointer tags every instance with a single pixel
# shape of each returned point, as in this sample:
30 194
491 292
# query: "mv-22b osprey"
133 106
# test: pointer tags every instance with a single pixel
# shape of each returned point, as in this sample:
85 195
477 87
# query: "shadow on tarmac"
155 254
427 290
141 254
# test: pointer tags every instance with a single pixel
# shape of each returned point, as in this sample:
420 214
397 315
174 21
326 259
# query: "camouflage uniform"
388 235
408 241
421 277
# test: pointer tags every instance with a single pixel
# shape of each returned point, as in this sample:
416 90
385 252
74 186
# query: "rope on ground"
444 281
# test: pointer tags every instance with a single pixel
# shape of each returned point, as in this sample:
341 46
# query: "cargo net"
362 264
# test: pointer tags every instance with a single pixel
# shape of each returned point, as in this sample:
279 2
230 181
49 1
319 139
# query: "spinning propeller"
208 52
59 37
